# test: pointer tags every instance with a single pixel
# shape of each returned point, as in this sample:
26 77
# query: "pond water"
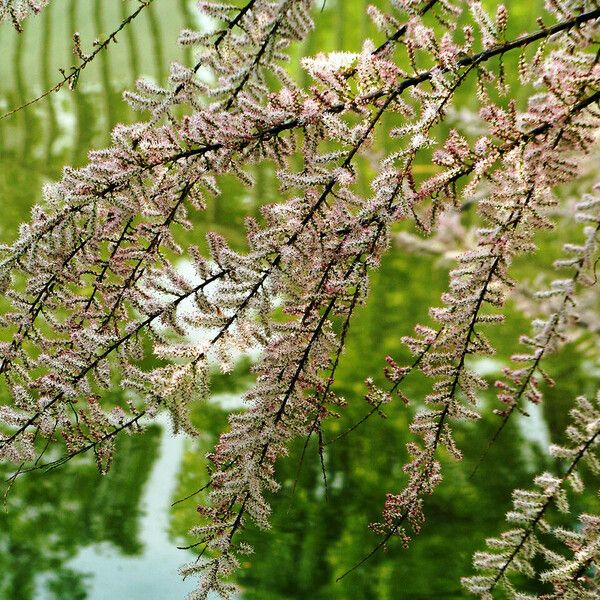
71 534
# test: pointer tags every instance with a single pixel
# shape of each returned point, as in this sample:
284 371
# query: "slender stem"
72 77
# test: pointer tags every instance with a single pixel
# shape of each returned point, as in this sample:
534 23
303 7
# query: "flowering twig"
71 78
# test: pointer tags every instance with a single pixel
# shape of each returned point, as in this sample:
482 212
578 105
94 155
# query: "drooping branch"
101 278
516 549
242 483
116 295
520 194
522 382
128 165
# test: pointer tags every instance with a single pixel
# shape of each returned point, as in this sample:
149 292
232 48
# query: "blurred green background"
71 534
